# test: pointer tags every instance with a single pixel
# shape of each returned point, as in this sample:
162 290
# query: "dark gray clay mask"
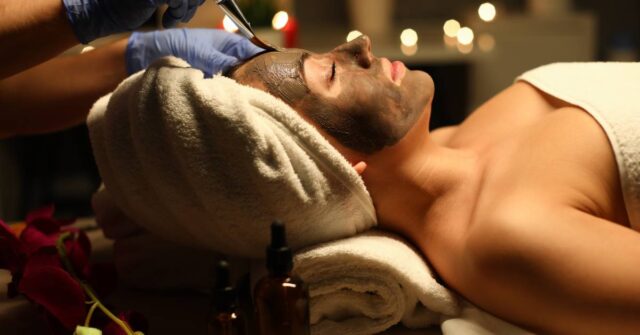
281 72
370 113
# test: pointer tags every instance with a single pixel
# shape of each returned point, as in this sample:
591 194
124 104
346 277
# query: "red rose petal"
33 239
78 252
45 212
42 258
43 220
55 290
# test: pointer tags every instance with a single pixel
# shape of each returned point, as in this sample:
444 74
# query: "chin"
426 80
419 88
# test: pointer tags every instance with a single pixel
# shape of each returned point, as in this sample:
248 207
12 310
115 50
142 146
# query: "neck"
424 191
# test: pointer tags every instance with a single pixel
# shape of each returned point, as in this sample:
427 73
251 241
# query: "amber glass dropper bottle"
281 299
225 318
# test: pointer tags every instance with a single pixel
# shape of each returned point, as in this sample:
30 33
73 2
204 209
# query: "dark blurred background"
59 168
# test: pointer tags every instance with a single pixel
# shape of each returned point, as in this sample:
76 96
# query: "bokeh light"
487 12
352 35
409 37
409 50
465 36
280 20
465 48
486 42
228 25
450 42
451 28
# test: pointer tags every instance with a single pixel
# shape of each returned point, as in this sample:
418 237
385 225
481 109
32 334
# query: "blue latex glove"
91 19
210 50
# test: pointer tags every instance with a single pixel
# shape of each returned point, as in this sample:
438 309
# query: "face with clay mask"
365 103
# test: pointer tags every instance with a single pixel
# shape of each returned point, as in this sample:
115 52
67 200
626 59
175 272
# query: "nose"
359 49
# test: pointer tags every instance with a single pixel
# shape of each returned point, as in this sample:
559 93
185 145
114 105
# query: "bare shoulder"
517 107
564 158
443 135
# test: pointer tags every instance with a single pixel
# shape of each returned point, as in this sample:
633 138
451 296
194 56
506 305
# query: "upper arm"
31 105
556 271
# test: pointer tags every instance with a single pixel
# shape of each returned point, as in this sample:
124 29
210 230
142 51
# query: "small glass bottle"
225 317
281 299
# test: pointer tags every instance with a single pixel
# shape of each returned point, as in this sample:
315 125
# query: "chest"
561 157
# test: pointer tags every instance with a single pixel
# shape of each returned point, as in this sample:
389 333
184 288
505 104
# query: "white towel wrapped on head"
211 163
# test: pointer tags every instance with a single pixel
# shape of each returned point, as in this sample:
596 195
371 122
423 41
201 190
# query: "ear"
360 167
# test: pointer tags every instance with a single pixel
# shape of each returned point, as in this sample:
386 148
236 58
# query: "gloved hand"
91 19
210 50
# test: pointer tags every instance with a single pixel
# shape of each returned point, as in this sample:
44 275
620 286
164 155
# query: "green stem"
87 320
97 303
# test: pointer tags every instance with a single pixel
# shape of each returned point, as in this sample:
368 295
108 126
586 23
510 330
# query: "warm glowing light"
86 49
487 12
450 42
486 42
353 35
409 50
409 37
228 25
465 48
451 28
465 36
280 20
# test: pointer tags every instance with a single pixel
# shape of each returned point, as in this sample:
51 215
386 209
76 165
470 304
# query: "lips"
395 71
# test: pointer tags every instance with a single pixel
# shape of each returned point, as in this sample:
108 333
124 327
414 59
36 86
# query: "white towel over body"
610 93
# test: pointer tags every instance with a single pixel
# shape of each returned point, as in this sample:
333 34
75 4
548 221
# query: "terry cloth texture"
211 163
368 283
610 93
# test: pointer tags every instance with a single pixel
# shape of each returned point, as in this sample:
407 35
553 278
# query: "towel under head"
210 162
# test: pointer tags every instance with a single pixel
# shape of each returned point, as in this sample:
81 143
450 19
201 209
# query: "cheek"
373 94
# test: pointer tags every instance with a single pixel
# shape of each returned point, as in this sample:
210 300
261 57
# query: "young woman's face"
366 103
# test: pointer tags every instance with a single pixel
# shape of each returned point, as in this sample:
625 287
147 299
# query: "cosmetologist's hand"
91 19
210 50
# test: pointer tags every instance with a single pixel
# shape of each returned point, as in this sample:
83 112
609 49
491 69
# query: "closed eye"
333 71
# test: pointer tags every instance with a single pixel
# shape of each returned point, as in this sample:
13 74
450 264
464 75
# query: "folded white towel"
370 282
367 283
609 92
474 321
211 163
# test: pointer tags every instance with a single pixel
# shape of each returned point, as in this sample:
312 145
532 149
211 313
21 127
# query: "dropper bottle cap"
279 256
224 294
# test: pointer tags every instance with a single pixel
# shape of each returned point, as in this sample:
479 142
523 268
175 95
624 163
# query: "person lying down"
529 208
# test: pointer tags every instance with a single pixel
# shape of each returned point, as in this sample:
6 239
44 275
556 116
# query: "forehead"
290 60
279 73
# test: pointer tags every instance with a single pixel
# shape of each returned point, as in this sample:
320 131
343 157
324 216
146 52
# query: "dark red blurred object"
39 274
290 32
